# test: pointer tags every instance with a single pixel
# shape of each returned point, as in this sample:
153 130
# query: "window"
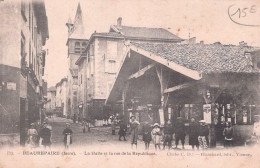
83 49
77 47
111 50
110 58
110 66
91 50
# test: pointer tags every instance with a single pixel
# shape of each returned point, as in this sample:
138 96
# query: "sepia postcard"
130 83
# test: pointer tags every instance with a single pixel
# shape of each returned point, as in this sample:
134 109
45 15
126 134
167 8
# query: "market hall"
214 82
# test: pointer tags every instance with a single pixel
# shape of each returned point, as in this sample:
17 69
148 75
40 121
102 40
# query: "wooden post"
124 96
163 83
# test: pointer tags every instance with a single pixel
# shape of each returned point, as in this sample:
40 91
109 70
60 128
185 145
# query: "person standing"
203 134
134 130
228 135
193 133
84 125
168 131
113 126
156 135
32 136
147 135
179 132
67 136
256 131
122 130
74 118
45 135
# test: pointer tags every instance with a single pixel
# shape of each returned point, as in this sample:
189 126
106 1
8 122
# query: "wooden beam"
178 87
178 68
141 71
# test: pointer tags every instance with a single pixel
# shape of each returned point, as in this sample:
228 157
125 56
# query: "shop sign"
207 113
11 86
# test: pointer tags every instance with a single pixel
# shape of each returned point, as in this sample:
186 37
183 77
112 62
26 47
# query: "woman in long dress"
32 137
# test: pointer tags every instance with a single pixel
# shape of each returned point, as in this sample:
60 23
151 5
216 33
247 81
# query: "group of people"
43 138
198 133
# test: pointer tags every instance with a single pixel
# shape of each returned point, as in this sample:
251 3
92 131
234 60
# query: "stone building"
98 66
24 31
50 105
76 43
61 97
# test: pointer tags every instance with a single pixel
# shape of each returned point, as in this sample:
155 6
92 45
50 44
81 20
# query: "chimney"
242 43
119 22
201 42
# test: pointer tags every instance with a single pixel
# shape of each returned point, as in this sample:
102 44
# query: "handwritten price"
243 15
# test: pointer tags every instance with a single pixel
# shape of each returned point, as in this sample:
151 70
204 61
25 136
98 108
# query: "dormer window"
77 47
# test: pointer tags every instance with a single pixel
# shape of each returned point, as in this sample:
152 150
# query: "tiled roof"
146 33
204 58
109 34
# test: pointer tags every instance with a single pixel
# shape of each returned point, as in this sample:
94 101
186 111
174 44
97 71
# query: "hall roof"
204 58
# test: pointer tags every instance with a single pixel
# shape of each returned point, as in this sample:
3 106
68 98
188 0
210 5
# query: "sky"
207 20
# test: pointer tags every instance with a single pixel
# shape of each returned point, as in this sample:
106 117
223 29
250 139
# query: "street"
100 136
97 137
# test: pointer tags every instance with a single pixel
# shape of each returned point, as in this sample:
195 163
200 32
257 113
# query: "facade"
22 62
98 66
215 82
76 43
50 104
61 97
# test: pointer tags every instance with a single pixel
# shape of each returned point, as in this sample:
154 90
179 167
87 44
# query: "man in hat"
168 131
134 130
228 134
45 135
147 137
193 133
179 132
67 136
203 134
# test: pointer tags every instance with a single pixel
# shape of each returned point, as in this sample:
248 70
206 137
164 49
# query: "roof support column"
163 79
125 88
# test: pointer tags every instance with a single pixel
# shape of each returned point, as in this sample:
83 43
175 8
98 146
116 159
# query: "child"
156 135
